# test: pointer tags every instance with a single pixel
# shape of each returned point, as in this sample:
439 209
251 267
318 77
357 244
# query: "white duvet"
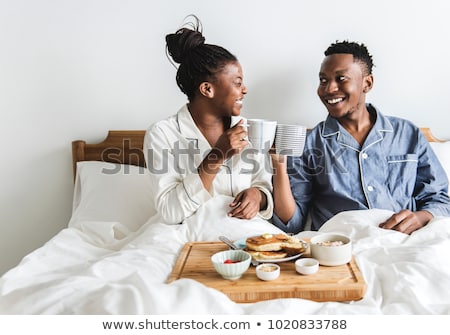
85 270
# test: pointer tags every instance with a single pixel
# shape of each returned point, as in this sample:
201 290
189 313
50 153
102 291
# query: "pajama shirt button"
370 188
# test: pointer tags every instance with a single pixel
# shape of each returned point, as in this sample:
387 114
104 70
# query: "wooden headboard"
119 146
125 147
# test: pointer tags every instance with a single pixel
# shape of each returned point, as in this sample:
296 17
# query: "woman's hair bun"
182 42
198 61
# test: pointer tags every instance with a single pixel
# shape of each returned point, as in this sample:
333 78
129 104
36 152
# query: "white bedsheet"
86 270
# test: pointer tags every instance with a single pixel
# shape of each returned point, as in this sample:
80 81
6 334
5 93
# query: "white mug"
290 139
261 133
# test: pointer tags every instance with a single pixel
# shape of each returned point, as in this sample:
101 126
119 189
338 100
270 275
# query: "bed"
114 259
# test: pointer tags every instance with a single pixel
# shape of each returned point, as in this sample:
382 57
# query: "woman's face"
229 89
343 85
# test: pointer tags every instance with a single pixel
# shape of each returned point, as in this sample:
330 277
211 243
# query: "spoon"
233 246
228 242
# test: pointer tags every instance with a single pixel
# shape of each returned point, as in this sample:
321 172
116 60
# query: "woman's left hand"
247 204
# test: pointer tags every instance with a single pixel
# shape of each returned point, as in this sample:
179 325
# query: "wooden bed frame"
125 147
119 146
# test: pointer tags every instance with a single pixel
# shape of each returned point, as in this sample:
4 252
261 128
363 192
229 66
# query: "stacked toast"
274 246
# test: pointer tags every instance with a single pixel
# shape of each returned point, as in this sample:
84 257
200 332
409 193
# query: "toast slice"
267 255
278 242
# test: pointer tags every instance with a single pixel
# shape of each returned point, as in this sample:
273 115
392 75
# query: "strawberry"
229 261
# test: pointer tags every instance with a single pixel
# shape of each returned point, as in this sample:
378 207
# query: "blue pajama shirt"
394 169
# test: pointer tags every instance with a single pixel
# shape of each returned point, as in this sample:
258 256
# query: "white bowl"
323 249
306 266
232 271
268 271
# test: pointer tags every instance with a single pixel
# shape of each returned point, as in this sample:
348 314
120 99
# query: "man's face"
343 86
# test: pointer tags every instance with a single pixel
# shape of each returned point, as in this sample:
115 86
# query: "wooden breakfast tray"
334 283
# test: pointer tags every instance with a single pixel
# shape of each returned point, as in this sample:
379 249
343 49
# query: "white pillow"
442 151
111 192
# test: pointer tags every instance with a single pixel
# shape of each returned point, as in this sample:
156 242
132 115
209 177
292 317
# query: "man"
358 158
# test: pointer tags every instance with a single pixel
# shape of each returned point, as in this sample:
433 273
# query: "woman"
199 153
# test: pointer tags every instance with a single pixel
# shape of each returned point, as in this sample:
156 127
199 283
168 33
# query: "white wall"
75 69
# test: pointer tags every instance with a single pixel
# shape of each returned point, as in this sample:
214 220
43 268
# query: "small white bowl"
232 271
323 249
268 271
306 266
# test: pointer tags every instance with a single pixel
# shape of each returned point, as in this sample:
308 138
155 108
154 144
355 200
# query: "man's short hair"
358 50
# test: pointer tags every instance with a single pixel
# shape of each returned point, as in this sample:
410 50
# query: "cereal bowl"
268 271
331 249
306 266
231 264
